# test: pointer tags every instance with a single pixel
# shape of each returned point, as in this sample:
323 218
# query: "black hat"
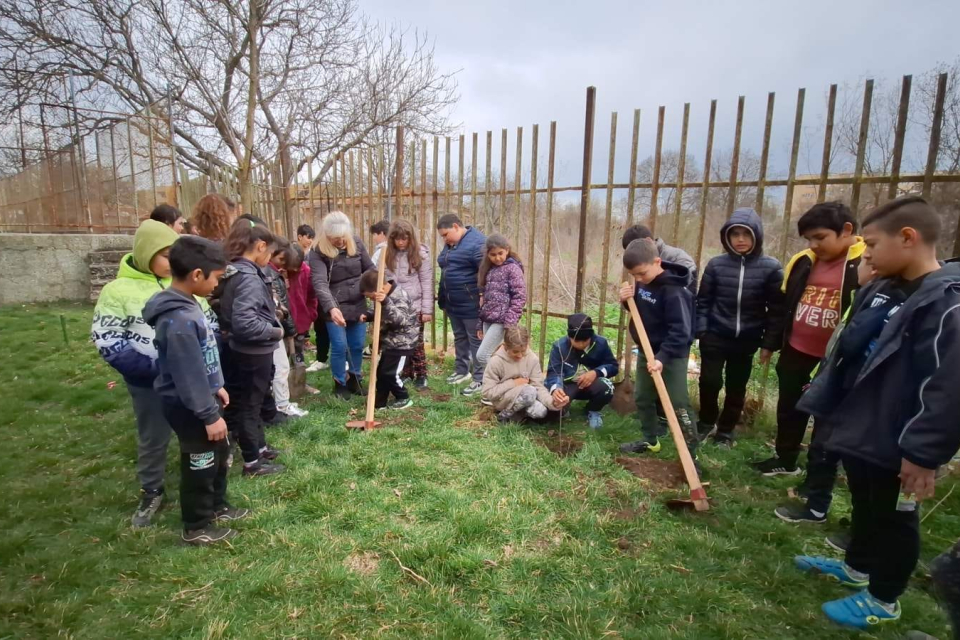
579 326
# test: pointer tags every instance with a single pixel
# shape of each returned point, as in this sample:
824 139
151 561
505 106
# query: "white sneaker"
293 411
317 366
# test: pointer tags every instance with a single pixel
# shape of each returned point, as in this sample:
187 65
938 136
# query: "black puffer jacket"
248 316
740 296
336 281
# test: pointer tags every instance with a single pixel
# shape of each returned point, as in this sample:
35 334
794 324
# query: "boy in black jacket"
888 391
190 385
667 310
738 311
399 335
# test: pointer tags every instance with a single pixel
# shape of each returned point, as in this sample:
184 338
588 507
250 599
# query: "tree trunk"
253 28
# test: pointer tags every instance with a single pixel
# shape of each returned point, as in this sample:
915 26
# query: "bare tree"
252 82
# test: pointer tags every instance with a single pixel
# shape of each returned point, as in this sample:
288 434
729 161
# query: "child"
249 322
408 263
513 381
190 384
822 465
582 367
125 341
503 292
305 237
378 233
889 393
667 310
399 332
738 312
282 256
303 300
667 253
819 284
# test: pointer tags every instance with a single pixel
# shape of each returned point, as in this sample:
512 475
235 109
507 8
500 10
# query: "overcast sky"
529 61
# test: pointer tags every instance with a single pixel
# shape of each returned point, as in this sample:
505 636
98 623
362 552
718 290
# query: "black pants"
389 378
822 467
945 571
886 531
793 370
724 363
247 379
323 340
598 395
203 467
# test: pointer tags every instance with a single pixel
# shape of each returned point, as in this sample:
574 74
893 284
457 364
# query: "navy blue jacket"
248 315
904 402
740 296
566 363
666 307
459 294
187 354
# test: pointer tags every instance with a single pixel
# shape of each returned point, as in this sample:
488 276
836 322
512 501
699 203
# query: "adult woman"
337 261
408 263
212 217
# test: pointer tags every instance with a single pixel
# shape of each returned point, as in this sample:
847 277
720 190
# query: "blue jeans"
346 342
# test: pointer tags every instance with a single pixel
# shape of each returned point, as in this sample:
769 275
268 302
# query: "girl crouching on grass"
513 380
503 293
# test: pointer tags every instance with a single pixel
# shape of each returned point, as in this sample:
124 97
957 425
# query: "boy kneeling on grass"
889 393
666 308
513 380
399 335
190 385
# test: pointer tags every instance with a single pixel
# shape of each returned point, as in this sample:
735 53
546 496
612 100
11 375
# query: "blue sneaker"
594 419
861 611
835 570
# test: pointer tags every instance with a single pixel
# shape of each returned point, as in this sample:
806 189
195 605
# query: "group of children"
865 326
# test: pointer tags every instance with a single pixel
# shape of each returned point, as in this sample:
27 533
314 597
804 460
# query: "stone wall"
36 267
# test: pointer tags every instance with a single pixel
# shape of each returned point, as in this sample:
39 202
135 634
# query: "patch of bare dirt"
630 514
365 564
563 446
623 402
666 474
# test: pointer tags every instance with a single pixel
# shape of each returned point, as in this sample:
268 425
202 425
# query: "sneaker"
458 378
420 383
401 404
505 416
150 502
367 352
269 454
836 570
207 535
317 366
641 446
594 419
839 541
229 514
861 611
277 420
472 389
799 513
704 431
262 468
776 467
293 411
485 402
723 440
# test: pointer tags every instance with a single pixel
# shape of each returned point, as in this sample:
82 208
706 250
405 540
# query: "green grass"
438 525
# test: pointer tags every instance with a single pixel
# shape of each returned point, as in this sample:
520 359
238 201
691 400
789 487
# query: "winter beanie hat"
579 327
151 238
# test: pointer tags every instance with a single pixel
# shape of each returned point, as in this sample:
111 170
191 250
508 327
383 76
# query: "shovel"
368 422
698 497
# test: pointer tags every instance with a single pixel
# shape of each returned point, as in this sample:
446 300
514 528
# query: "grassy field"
443 524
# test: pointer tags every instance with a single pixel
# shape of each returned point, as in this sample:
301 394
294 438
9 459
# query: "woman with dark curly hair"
212 217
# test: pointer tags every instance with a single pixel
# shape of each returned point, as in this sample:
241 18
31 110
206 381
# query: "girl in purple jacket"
503 293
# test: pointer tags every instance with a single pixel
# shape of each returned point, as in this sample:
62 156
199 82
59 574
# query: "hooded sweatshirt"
889 388
188 360
122 337
740 296
501 373
667 310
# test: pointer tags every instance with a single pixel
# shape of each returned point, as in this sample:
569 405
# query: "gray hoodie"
188 359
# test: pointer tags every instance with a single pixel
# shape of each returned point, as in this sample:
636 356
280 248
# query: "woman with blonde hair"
337 260
408 263
212 217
